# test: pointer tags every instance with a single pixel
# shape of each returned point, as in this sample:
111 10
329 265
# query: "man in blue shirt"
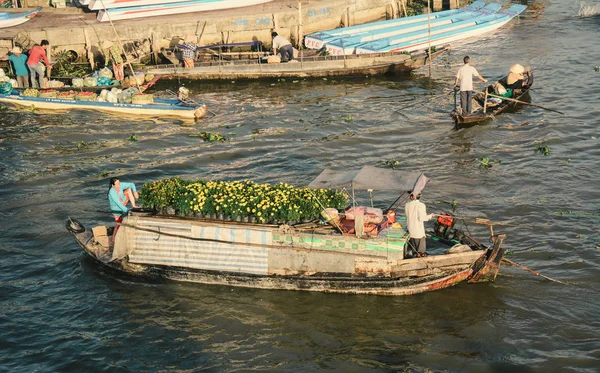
119 194
19 61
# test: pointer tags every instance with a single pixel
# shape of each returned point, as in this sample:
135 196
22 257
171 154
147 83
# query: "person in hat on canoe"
188 50
465 77
416 216
515 78
19 62
119 195
282 47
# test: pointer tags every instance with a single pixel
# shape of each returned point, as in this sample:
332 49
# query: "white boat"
9 19
162 8
319 39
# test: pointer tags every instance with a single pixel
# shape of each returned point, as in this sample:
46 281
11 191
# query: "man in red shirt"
37 53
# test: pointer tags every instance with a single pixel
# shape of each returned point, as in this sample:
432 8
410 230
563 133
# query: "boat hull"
375 64
14 19
168 108
365 276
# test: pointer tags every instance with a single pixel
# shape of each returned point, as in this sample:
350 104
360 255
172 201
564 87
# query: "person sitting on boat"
19 61
37 53
416 216
515 79
119 194
282 47
188 51
465 76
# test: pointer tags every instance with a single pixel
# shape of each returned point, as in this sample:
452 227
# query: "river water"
60 312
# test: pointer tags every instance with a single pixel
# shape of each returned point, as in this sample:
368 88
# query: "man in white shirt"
282 46
465 76
416 215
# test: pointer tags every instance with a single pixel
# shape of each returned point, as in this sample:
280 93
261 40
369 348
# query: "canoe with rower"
308 256
493 106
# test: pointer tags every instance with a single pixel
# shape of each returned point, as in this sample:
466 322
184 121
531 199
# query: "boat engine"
444 226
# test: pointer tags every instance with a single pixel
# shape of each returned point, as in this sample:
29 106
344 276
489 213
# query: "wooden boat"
319 39
9 19
169 8
382 41
160 107
487 111
306 67
306 257
417 42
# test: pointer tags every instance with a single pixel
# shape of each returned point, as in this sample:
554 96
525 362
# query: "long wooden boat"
169 8
9 19
318 39
484 25
160 107
302 257
307 67
487 111
382 41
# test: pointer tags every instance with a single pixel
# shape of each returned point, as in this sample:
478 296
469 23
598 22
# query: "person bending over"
119 194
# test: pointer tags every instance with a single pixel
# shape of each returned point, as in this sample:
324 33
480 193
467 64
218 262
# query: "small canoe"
160 107
9 19
164 8
491 110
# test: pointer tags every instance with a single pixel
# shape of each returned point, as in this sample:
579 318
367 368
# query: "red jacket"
37 53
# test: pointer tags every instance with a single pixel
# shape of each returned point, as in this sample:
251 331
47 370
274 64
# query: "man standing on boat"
465 76
416 216
36 54
282 46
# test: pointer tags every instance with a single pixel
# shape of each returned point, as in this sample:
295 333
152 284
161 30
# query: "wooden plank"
437 261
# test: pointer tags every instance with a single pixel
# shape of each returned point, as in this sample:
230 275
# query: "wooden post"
155 47
300 32
88 49
403 2
485 101
429 33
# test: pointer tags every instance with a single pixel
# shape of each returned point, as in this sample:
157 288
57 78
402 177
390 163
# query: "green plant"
393 163
485 162
210 136
542 148
133 137
104 173
348 118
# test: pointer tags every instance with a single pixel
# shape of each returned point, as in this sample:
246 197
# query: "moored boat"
489 107
9 19
160 107
168 8
305 67
309 256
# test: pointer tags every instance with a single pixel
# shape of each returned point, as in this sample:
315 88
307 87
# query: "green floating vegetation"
485 162
210 136
133 137
263 203
392 163
542 148
348 118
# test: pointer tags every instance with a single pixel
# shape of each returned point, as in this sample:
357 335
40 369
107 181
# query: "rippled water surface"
60 312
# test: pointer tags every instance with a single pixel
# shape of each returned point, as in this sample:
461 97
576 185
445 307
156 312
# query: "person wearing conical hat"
188 50
19 61
516 77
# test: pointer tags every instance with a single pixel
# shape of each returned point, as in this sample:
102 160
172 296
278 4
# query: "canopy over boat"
369 177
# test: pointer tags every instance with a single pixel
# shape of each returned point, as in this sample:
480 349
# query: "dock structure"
70 29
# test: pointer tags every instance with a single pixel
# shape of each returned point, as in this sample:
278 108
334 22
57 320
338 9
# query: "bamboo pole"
533 272
523 102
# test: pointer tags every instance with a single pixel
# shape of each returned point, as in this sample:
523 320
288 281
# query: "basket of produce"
86 96
142 99
70 95
30 92
90 82
48 93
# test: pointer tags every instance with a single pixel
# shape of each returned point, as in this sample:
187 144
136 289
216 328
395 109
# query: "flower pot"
252 219
237 219
213 216
220 217
170 211
245 219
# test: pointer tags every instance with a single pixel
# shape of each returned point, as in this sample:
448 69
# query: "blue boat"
9 19
319 39
160 107
481 26
395 35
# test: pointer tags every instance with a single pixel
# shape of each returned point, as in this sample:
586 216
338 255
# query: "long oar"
532 271
521 102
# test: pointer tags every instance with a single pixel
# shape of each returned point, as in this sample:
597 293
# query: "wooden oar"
532 271
521 102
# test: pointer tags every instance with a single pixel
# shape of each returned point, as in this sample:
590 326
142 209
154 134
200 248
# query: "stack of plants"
239 200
